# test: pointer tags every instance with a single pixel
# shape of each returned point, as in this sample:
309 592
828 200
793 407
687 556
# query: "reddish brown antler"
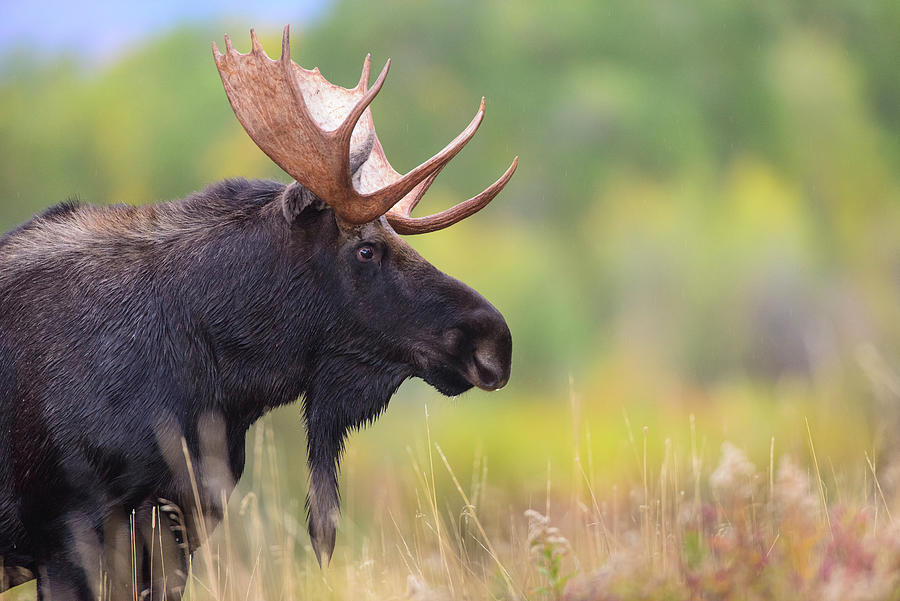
315 130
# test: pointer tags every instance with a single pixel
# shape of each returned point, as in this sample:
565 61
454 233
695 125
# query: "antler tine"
287 65
364 77
307 123
257 47
409 202
345 131
403 224
388 196
286 44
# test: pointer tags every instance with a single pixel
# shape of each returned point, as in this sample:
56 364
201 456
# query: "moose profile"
134 339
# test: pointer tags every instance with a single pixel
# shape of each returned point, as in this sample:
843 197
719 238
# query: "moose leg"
129 557
61 579
70 564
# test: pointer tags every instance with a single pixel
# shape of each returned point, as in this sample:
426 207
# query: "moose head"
391 315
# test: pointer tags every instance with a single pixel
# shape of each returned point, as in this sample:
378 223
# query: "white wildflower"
542 537
793 495
734 477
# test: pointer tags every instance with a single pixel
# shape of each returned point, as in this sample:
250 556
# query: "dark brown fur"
124 330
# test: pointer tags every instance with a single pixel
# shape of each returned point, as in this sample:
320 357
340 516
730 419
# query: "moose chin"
138 341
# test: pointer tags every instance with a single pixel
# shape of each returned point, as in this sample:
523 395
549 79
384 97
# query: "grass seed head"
734 478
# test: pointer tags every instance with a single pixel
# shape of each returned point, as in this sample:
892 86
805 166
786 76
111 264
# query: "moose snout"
490 344
490 371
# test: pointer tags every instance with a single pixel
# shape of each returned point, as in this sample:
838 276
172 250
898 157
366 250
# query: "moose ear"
295 199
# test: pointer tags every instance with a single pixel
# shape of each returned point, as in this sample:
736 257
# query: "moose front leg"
70 561
61 577
129 556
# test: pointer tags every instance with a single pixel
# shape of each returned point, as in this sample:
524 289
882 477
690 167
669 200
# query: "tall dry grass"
682 527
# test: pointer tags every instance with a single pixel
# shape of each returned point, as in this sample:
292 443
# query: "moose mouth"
451 380
446 380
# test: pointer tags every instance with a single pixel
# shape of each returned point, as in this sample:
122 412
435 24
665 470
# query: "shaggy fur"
127 332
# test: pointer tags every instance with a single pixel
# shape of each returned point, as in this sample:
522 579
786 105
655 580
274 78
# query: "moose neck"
261 311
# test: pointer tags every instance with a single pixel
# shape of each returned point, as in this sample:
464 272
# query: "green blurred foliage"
705 220
707 191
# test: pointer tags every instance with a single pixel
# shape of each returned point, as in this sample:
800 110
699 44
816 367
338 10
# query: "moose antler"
323 136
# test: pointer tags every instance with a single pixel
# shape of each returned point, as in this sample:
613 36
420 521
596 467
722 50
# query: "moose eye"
365 253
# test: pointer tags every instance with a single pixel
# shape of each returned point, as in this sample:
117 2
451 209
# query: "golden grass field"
731 494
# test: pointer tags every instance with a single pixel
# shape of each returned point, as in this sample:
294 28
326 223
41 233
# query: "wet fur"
124 329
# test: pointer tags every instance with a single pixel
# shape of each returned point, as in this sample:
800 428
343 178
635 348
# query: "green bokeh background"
705 219
707 188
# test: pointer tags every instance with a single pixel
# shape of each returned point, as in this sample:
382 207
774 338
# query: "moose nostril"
487 368
484 344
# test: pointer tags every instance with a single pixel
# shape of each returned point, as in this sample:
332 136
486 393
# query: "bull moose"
135 339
